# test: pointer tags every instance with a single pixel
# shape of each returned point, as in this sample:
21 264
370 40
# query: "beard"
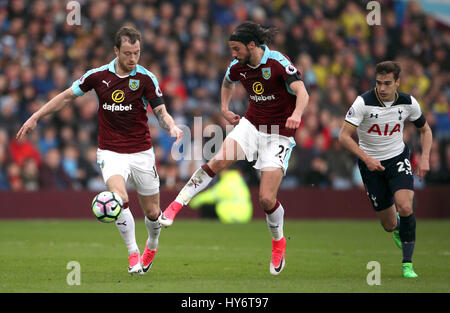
245 60
123 66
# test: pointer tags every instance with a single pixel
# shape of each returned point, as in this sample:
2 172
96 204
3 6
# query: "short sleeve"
355 114
84 84
285 68
153 93
231 75
416 111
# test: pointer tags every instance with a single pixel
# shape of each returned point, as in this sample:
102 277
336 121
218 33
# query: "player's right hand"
177 133
27 127
374 164
232 118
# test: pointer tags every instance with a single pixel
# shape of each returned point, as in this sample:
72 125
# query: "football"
107 206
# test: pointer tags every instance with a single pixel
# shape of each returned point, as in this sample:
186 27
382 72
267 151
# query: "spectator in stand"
4 181
20 150
48 139
340 165
30 175
93 179
51 172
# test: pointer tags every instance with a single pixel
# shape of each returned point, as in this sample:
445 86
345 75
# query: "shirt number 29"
404 166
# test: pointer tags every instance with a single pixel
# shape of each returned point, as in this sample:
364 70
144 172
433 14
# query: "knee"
404 208
150 206
217 165
153 215
389 226
267 202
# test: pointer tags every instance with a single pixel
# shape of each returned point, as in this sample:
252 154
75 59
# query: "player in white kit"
384 161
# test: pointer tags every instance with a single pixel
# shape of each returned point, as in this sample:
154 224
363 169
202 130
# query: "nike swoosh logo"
278 269
163 217
147 267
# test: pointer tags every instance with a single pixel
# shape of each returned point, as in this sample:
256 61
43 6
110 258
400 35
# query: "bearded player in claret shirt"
378 115
125 153
277 98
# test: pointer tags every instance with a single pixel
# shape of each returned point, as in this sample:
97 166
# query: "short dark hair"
387 67
129 32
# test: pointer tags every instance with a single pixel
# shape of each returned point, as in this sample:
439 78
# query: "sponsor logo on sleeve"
290 69
351 112
158 91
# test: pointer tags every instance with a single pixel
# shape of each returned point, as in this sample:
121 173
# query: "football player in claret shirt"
378 115
125 153
277 98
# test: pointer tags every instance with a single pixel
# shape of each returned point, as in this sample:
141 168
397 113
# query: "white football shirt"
380 125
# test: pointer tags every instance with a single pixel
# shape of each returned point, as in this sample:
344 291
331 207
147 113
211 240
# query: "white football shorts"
136 168
269 150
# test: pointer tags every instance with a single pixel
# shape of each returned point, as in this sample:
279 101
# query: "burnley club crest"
266 73
134 84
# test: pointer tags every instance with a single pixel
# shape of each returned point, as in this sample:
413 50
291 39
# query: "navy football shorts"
381 186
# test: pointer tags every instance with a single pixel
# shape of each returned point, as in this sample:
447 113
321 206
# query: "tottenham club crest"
134 84
266 73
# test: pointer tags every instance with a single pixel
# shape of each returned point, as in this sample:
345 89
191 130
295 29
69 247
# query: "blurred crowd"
184 43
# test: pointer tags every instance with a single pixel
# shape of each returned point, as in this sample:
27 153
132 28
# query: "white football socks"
275 222
125 225
154 229
199 181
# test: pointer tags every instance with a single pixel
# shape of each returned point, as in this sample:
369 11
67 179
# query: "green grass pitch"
207 256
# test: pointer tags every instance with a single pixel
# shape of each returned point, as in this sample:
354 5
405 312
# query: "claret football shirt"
122 106
271 101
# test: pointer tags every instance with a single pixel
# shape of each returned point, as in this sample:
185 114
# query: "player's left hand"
293 122
177 133
423 168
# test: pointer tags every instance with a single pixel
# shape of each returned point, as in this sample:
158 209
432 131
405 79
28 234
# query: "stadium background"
185 45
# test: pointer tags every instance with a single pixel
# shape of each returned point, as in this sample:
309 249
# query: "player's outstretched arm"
54 105
426 139
346 140
298 87
226 93
166 122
